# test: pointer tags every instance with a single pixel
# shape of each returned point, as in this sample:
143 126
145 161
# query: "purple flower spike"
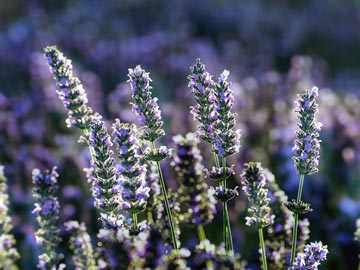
307 143
144 106
314 253
254 182
70 89
133 189
200 200
46 211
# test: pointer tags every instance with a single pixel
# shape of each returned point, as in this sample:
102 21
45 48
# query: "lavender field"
179 134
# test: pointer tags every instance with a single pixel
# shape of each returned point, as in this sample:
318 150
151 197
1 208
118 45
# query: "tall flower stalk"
254 185
8 251
217 123
147 110
47 215
71 92
307 153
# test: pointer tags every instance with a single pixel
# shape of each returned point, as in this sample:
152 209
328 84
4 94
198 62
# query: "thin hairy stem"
167 206
227 227
296 221
135 221
262 247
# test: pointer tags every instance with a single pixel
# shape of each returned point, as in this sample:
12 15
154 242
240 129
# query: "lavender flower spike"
307 143
254 182
145 107
70 89
133 188
47 215
201 85
8 251
198 199
227 140
80 243
104 180
314 253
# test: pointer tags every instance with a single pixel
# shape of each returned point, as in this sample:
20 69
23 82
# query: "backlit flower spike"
133 188
227 139
70 89
8 252
314 253
144 106
80 243
254 186
307 143
198 199
104 180
201 84
47 216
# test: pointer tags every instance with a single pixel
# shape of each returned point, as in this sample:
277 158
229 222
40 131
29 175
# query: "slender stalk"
262 247
226 221
202 237
296 221
167 206
135 221
149 216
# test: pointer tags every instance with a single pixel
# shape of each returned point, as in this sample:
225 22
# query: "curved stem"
262 247
296 221
167 206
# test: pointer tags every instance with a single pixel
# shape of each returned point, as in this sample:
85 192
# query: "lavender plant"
254 186
124 189
47 215
8 252
80 243
149 116
307 153
217 122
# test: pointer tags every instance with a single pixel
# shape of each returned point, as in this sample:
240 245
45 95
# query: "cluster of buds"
145 107
104 182
133 188
70 89
307 143
199 200
254 186
80 243
47 215
214 102
313 255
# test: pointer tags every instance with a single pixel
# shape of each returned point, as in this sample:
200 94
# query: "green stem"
228 235
202 237
262 247
149 216
296 221
135 221
167 206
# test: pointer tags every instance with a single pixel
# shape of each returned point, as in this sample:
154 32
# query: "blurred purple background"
273 49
